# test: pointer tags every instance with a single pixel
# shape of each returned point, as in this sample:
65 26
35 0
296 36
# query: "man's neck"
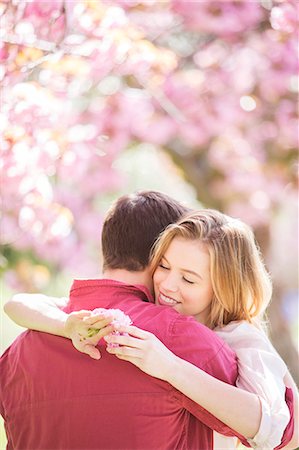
125 276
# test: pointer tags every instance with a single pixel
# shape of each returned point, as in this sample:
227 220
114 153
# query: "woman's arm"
42 313
239 409
38 312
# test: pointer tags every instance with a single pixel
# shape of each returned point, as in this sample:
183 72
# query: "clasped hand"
130 343
85 331
143 349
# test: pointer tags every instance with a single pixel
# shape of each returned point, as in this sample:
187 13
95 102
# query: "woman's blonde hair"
241 284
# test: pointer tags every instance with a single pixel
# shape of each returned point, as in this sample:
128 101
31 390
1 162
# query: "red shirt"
53 397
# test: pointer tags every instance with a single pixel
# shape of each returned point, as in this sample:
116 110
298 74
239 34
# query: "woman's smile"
165 300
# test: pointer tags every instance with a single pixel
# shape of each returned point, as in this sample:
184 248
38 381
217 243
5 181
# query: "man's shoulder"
178 324
22 338
182 334
191 330
202 347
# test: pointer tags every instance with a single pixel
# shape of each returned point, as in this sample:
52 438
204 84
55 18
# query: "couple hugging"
194 371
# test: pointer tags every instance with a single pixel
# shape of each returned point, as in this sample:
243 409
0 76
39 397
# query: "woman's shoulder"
248 341
240 327
244 334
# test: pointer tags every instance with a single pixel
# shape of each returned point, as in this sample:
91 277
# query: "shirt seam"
215 355
202 366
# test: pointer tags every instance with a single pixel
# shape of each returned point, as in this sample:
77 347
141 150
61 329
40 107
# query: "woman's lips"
166 301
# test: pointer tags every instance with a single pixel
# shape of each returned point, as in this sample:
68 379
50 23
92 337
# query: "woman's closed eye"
163 266
188 281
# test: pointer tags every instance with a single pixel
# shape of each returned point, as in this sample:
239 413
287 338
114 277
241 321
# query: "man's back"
64 402
57 398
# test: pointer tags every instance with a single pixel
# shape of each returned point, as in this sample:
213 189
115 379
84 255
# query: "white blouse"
261 371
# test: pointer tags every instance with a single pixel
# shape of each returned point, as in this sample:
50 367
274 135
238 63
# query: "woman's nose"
170 283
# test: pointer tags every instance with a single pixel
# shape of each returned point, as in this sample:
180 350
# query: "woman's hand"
144 350
85 331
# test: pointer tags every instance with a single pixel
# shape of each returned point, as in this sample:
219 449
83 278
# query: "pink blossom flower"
119 319
170 73
223 18
47 18
43 9
285 17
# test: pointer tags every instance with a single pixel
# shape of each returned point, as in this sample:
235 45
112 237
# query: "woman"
207 265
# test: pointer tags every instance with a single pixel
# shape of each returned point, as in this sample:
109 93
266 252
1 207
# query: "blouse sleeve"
261 371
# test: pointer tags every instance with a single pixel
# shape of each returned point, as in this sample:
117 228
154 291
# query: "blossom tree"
213 83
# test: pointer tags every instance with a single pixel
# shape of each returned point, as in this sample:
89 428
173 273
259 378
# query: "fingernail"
112 345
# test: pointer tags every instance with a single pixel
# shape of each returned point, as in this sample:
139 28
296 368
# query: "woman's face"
182 280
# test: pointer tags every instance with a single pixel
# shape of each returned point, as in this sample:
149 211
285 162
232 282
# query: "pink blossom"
287 124
43 9
119 319
4 53
284 17
103 62
248 213
83 81
47 18
220 17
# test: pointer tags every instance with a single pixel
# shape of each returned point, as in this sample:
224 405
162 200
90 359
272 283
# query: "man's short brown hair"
132 225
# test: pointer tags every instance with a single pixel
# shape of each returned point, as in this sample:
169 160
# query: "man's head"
132 225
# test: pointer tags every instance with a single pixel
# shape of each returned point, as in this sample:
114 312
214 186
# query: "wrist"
67 326
172 370
179 372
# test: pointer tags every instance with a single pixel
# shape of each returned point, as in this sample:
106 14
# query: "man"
52 397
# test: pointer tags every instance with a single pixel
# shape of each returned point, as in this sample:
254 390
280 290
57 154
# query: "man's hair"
132 225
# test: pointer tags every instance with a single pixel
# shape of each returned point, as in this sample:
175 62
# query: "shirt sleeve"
202 347
289 431
209 420
261 371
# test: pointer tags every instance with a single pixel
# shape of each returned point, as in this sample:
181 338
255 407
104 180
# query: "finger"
127 352
130 359
86 347
99 323
99 334
97 319
82 313
97 327
133 331
92 351
129 341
